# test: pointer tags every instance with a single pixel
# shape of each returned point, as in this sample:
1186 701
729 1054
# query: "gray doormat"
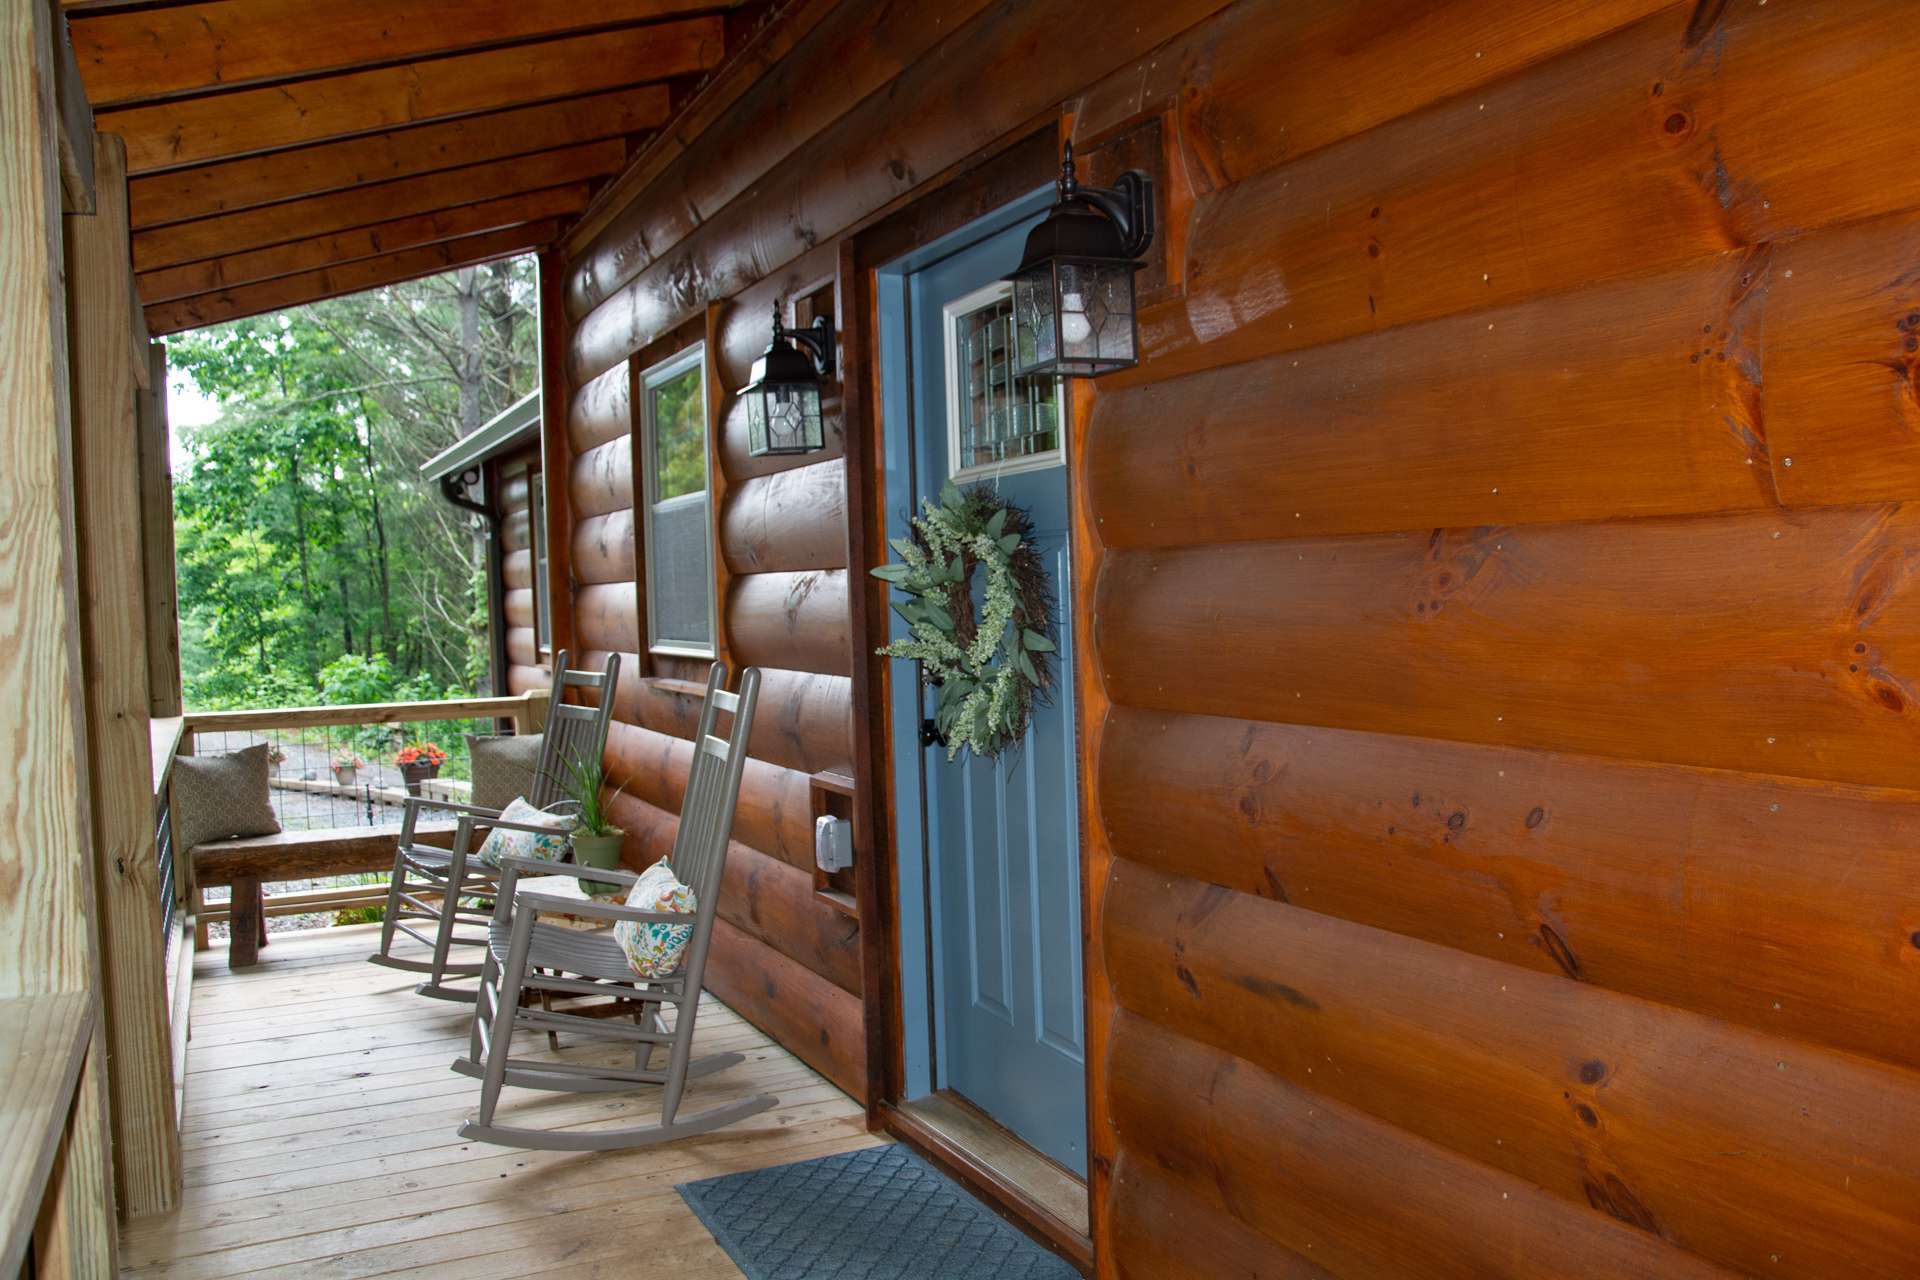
877 1214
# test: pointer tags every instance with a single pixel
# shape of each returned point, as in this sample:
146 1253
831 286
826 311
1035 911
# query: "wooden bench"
247 864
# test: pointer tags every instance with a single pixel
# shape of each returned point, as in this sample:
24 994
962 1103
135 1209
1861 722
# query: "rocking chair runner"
528 963
573 733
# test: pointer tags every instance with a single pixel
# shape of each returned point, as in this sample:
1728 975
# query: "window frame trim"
693 357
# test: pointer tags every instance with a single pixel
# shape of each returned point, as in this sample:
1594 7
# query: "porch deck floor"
320 1138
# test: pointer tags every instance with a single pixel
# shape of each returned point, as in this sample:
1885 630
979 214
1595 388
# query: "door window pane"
998 418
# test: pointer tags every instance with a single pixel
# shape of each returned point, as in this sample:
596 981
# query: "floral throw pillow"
503 842
654 950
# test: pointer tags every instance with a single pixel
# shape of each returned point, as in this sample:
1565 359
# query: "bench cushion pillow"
654 950
503 767
220 797
503 842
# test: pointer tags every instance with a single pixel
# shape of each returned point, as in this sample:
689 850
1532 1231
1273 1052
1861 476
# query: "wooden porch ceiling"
280 152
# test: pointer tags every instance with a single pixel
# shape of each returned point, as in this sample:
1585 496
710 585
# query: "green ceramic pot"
597 851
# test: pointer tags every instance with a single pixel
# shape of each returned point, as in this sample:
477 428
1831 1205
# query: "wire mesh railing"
348 770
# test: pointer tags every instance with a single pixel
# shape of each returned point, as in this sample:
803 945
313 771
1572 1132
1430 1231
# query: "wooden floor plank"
321 1138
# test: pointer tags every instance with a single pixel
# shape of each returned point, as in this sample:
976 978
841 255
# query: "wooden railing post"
531 715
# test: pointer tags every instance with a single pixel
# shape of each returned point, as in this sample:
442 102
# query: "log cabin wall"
1497 731
529 664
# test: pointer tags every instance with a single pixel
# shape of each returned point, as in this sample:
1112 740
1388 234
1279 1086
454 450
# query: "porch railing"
310 797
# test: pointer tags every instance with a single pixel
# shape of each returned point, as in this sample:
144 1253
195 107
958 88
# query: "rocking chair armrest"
454 806
537 829
541 867
587 908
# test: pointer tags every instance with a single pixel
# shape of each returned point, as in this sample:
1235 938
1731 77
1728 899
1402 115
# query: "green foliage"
593 807
313 562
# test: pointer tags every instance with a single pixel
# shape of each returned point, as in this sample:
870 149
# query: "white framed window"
678 534
997 423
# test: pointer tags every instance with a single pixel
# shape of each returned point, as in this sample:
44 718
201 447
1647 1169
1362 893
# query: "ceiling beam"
206 190
136 55
215 274
221 126
232 233
354 277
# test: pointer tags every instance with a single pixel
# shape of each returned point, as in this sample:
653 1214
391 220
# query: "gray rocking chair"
428 883
530 963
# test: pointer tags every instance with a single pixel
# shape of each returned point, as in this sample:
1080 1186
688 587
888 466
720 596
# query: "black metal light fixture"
1073 305
783 400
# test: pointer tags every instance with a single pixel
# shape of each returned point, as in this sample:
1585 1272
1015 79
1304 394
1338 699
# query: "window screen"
678 547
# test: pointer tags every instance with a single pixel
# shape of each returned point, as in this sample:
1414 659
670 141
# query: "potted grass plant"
346 767
596 837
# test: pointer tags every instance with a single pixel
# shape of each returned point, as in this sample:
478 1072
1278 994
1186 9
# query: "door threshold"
1049 1199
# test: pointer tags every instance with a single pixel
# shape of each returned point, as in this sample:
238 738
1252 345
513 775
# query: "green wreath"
993 667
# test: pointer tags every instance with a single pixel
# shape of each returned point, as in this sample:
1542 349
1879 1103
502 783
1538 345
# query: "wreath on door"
992 665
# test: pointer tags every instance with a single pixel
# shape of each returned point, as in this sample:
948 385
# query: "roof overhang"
514 426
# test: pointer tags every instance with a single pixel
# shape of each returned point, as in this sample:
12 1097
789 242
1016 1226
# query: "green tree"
305 531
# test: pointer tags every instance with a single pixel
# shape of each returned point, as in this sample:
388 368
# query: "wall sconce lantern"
1073 306
783 400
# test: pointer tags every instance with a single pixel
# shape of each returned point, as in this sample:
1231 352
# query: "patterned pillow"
504 843
219 797
503 766
654 950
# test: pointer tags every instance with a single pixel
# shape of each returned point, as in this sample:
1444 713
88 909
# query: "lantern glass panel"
784 417
1036 344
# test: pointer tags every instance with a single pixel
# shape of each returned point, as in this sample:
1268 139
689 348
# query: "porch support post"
156 541
107 369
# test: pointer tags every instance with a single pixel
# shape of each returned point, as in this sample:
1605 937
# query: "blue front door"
1002 836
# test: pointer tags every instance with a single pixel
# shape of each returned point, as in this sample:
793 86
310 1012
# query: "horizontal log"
602 479
601 411
849 55
189 131
304 219
292 258
516 568
1355 1194
773 814
1626 876
1628 399
1654 639
359 713
1842 347
1240 119
864 161
301 855
231 43
606 616
1628 155
1608 1101
815 1020
352 277
787 522
804 721
517 608
232 185
516 496
797 621
1166 1230
524 679
776 903
603 549
523 649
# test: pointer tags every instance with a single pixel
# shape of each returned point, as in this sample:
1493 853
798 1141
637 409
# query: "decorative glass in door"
1000 422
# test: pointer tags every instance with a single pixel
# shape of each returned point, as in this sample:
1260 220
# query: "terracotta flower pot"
344 774
416 773
597 851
